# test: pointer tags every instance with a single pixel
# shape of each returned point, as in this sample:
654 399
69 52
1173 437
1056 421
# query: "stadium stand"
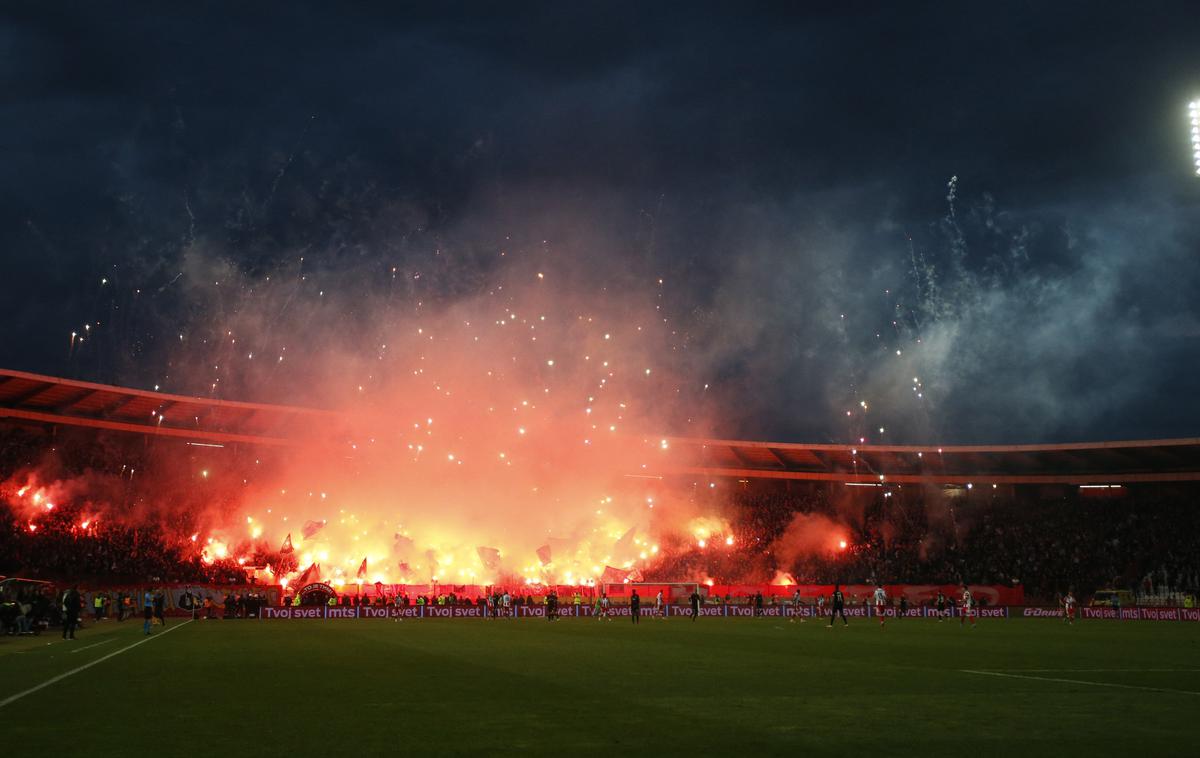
1089 516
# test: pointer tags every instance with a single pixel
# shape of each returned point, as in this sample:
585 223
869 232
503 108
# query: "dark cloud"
779 169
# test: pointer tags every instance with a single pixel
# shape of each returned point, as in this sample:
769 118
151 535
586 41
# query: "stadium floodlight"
1194 117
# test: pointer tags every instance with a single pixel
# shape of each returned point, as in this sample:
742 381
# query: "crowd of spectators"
1142 540
1144 543
78 539
58 546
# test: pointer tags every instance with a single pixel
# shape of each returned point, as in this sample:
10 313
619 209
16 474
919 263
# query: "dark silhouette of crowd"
59 547
110 533
1141 539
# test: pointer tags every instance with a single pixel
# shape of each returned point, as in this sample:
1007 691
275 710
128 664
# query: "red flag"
362 570
614 575
312 527
308 574
543 554
287 544
626 542
488 556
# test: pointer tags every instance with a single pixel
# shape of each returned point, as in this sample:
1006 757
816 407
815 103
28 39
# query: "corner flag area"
584 686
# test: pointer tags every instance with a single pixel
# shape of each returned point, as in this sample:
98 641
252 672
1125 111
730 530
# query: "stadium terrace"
1024 524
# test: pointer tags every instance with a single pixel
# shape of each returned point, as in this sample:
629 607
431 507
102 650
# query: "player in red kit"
968 607
1069 607
880 598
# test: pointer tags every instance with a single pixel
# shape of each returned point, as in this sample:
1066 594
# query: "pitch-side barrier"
709 611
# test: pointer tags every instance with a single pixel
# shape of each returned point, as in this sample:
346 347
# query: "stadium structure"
48 402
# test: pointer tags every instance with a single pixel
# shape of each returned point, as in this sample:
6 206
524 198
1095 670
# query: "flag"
362 570
287 544
543 554
625 544
613 575
312 527
308 575
488 556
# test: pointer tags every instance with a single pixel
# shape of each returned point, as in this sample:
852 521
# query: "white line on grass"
1104 671
14 698
94 644
1078 681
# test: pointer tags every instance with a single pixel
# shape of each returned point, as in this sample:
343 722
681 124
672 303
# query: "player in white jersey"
506 603
658 605
880 598
603 606
1069 607
797 602
967 607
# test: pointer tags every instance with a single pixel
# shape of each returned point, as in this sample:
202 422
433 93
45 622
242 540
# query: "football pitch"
581 686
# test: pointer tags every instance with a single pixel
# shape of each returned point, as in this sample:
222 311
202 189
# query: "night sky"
1003 193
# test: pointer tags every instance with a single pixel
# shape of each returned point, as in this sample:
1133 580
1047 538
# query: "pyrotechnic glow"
783 579
477 502
841 545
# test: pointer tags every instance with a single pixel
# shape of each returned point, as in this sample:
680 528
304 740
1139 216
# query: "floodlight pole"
1194 125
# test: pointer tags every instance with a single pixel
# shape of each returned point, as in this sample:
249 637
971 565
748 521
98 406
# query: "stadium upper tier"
37 399
33 399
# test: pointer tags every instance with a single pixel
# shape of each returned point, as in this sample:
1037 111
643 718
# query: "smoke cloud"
789 262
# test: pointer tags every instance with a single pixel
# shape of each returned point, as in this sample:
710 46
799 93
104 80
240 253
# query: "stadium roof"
49 401
1076 463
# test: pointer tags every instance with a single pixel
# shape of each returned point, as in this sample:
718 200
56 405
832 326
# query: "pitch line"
1081 681
94 644
14 698
1104 671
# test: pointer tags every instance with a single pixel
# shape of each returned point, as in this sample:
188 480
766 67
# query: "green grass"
579 686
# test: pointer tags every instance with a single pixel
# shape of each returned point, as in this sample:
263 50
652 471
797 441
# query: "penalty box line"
14 698
1079 681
